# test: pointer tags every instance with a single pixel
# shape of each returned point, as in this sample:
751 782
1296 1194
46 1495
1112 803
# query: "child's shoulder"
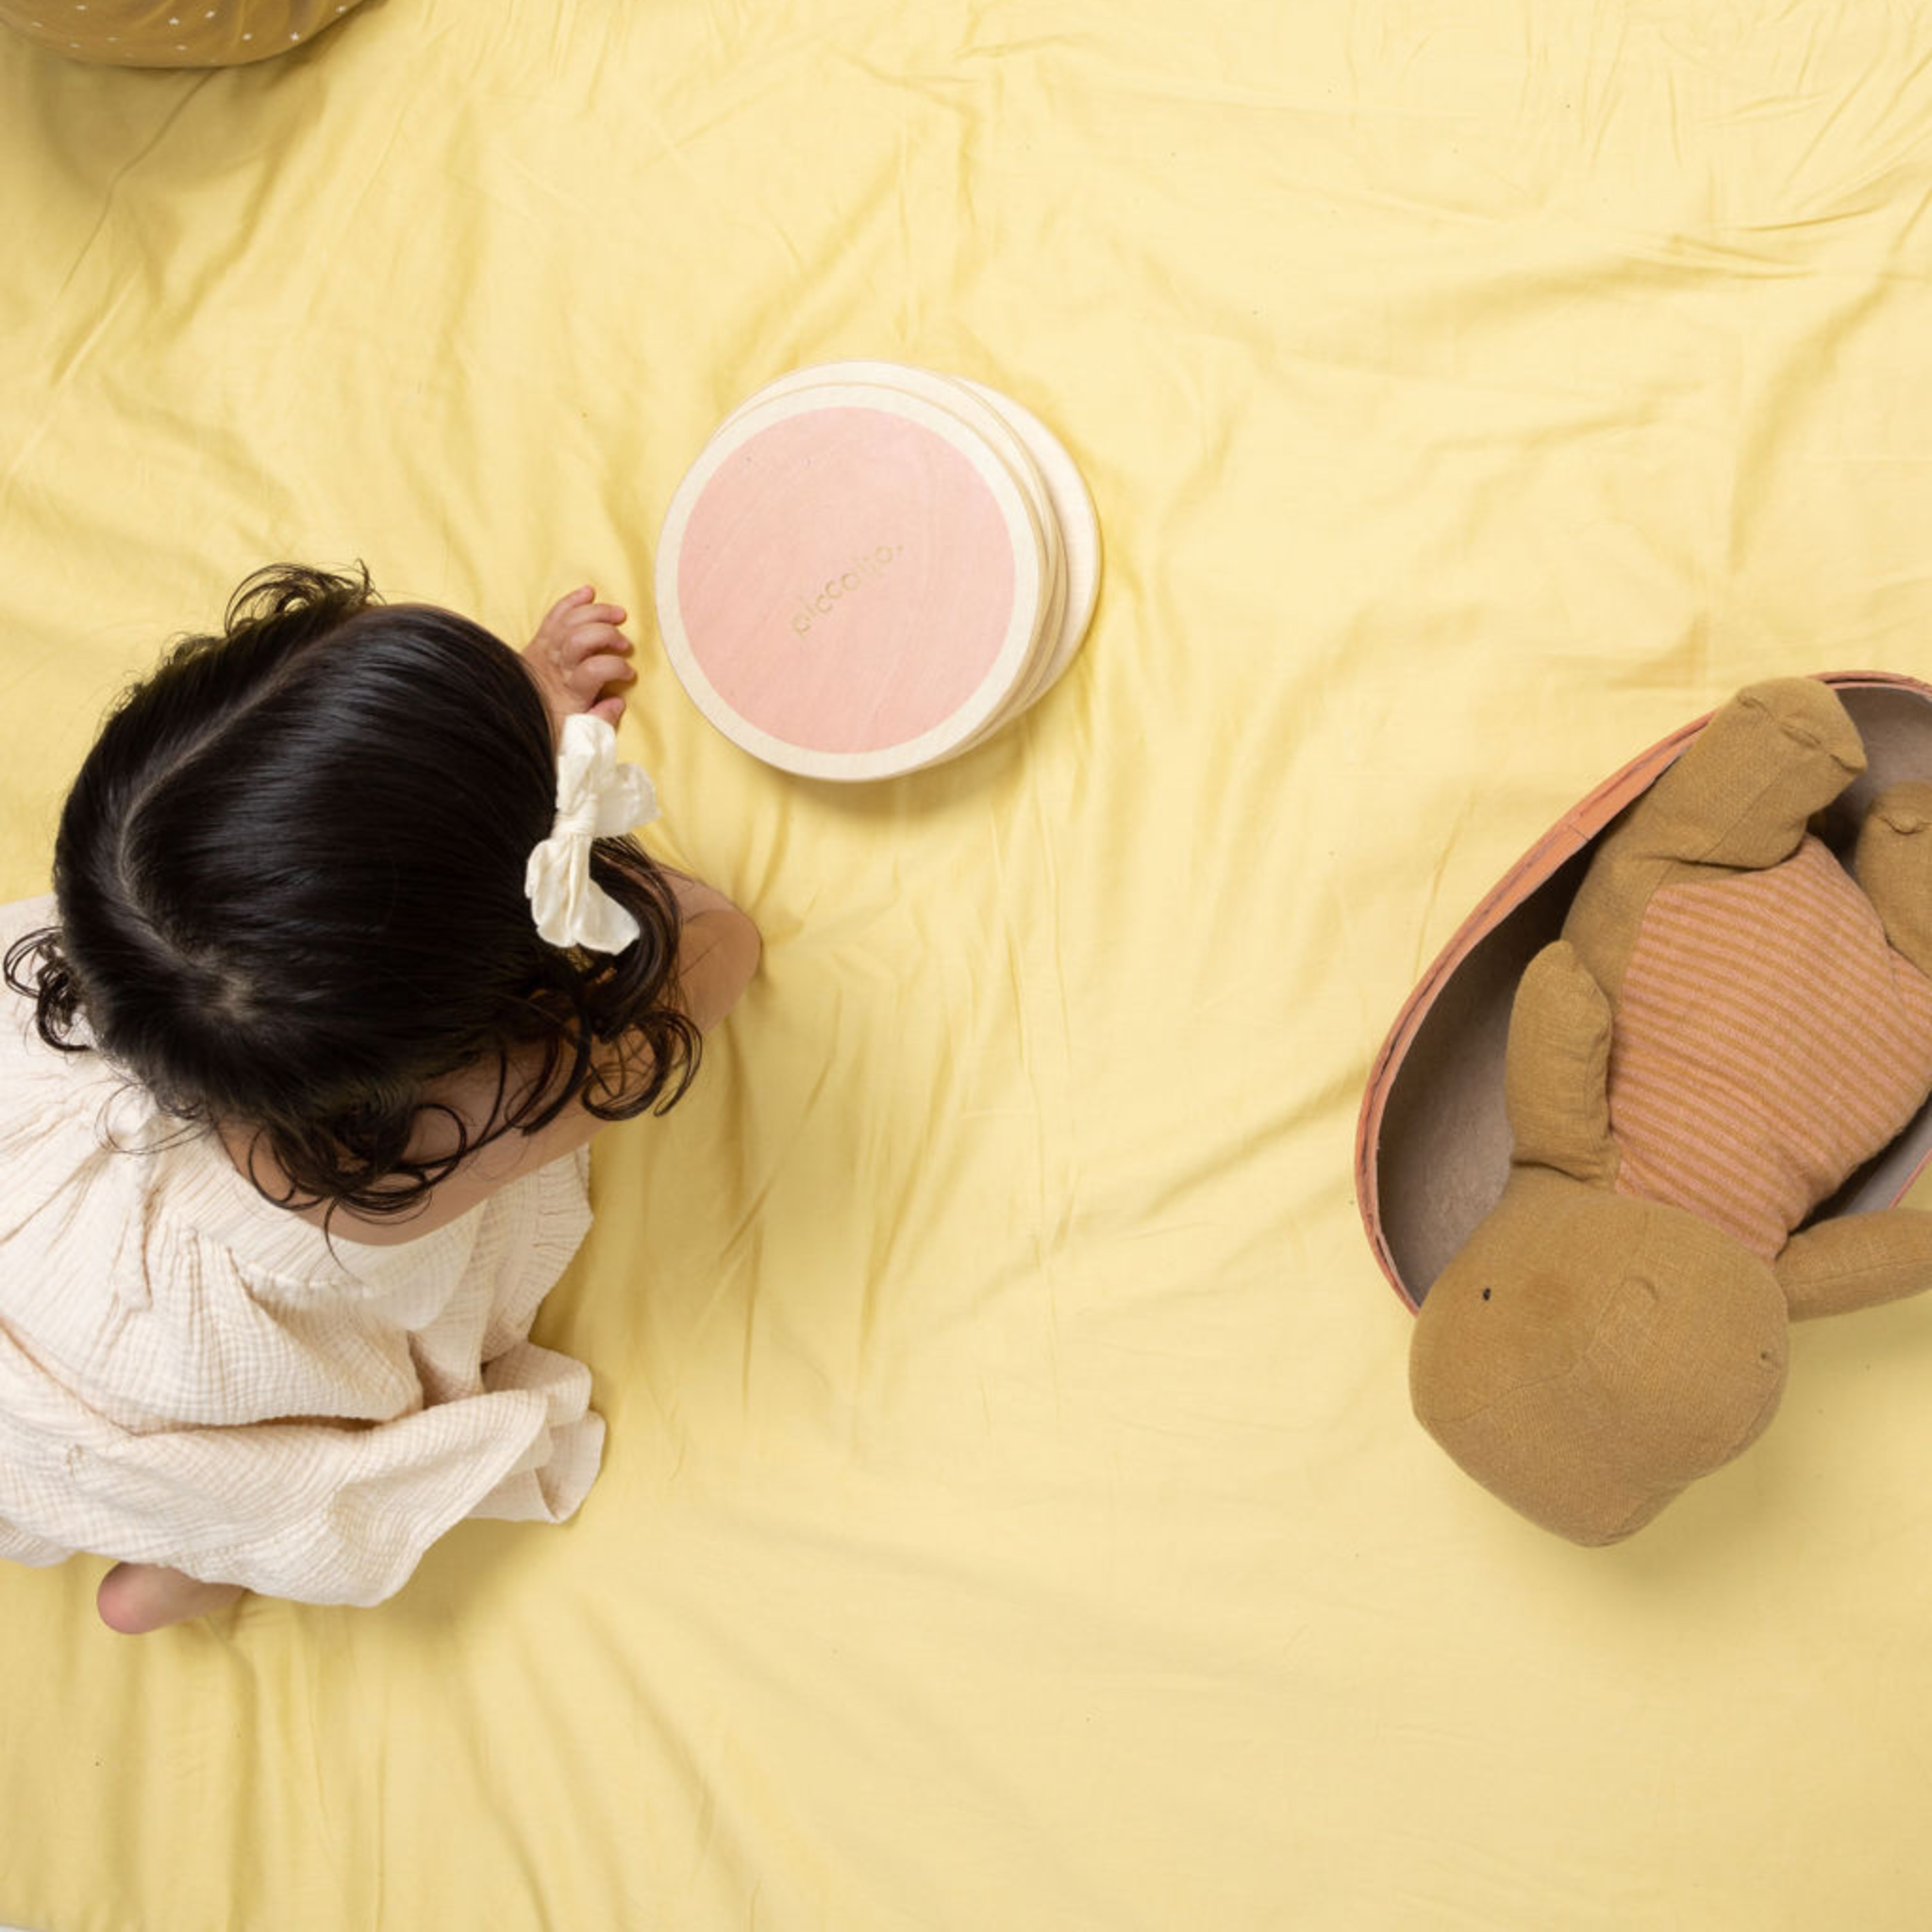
468 1101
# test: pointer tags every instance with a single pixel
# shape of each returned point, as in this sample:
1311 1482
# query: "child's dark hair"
290 881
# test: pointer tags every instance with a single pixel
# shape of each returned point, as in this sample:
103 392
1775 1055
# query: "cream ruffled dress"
172 33
191 1376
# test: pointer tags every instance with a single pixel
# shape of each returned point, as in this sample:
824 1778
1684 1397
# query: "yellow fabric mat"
1013 1516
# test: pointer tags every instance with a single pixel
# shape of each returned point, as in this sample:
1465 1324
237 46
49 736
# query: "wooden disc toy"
871 568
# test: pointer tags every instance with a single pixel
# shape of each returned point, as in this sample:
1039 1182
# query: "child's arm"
718 951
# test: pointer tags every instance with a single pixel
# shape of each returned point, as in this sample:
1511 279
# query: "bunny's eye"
1486 1295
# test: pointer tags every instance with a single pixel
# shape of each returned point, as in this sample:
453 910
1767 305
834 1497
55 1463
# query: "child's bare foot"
578 654
135 1598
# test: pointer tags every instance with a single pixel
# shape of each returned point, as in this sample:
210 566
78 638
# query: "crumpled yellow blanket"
1012 1515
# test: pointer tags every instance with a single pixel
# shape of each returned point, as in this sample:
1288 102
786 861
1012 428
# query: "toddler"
345 963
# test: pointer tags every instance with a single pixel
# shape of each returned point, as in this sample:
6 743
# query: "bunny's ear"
1556 1072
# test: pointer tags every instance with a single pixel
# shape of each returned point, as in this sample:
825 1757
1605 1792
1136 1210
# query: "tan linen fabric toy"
172 33
1730 1025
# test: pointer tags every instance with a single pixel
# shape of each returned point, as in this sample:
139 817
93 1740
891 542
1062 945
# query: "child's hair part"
290 892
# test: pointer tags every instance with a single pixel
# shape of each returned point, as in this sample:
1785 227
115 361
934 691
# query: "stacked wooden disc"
871 568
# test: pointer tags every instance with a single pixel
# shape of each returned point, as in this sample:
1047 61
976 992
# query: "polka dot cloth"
169 33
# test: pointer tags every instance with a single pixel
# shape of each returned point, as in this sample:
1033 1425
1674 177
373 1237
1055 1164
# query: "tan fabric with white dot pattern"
172 33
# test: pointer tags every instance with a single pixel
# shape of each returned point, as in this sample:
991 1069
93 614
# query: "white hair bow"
596 798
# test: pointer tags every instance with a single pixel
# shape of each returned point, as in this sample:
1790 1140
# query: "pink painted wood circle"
864 570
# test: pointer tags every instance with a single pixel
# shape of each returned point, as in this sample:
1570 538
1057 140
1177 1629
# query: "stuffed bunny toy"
1730 1024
